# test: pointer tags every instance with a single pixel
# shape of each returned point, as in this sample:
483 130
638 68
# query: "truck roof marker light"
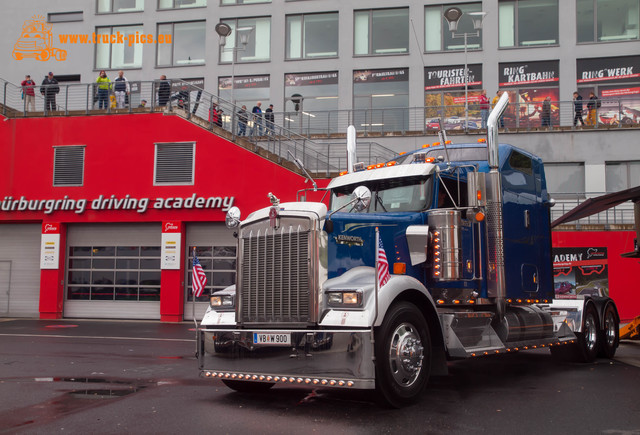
379 165
435 144
456 301
430 160
402 153
426 145
350 383
471 301
343 173
399 268
482 140
370 167
392 163
447 142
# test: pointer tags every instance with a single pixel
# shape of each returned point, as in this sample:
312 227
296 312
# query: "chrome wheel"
405 355
590 332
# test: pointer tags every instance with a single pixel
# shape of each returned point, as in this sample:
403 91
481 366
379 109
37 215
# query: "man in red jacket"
28 93
484 108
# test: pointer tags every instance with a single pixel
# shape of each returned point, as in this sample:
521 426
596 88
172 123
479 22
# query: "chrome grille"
275 277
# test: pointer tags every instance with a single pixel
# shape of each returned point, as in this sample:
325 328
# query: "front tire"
403 355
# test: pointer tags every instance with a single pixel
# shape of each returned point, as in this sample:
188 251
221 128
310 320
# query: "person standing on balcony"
257 119
484 108
164 91
29 94
268 117
242 121
121 89
577 109
545 115
49 89
104 84
592 106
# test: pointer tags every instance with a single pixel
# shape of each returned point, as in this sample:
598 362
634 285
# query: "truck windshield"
397 195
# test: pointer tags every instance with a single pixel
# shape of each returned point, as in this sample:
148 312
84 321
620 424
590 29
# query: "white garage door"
113 271
216 251
20 270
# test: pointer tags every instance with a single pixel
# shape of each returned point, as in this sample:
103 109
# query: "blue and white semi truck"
467 237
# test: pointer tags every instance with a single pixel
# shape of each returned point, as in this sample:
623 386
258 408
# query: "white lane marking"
97 337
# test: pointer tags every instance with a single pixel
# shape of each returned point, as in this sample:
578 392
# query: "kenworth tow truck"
467 237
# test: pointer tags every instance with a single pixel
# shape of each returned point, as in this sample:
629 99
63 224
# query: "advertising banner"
580 271
609 70
452 77
381 75
311 79
530 74
50 246
244 82
171 238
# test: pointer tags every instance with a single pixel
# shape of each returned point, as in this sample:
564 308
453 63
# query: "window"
607 20
119 6
108 273
397 195
315 96
250 40
381 31
528 23
118 55
218 263
437 36
565 178
312 36
187 44
174 163
178 4
380 99
247 90
64 17
68 165
621 175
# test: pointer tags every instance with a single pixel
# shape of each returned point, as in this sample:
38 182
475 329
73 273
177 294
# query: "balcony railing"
198 106
619 216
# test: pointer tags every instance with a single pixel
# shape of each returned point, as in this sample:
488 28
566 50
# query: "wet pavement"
84 376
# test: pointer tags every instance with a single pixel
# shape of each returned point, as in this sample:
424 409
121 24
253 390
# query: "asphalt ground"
114 377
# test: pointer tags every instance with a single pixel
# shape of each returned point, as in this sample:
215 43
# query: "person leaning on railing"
104 84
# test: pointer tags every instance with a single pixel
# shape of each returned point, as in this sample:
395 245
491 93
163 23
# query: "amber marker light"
371 167
392 163
430 160
482 140
399 268
402 153
447 142
343 173
380 165
479 216
425 145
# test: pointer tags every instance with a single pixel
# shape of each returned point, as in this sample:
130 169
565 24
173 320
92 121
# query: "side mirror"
361 197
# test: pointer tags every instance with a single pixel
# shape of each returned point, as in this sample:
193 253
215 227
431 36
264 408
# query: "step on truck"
464 233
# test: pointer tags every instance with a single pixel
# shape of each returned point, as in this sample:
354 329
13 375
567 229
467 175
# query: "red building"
98 213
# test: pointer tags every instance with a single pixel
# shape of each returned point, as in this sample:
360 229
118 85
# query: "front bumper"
333 358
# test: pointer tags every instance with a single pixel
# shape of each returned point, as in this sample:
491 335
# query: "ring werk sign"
79 206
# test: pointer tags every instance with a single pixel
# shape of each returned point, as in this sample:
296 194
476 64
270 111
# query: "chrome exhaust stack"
496 284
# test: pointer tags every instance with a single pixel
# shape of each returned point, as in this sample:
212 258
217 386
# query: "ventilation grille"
174 163
68 166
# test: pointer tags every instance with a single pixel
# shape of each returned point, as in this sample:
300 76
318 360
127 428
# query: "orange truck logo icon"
36 41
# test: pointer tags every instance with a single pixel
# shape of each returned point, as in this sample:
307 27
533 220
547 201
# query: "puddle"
69 402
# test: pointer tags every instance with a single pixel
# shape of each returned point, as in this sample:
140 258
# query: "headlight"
344 299
224 301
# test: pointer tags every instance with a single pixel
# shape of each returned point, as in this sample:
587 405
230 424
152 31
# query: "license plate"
271 338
